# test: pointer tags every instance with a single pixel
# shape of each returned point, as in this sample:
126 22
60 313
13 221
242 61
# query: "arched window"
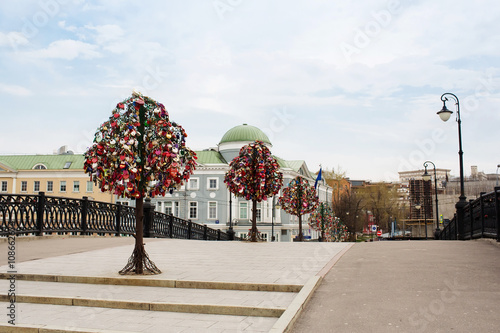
39 166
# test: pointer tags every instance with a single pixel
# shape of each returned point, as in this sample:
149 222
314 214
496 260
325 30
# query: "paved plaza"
72 285
204 286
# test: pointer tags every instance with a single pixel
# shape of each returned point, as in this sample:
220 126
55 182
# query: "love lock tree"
321 220
254 175
298 198
139 152
338 231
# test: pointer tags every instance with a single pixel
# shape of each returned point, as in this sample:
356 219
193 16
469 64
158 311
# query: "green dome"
244 133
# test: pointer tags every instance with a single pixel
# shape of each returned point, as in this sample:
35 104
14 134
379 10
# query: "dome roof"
244 133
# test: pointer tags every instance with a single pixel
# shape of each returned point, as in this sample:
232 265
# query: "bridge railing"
481 219
45 215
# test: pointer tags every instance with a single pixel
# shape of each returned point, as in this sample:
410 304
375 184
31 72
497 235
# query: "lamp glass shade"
426 176
444 114
418 206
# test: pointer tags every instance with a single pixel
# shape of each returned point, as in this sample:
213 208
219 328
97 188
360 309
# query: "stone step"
45 318
226 302
151 281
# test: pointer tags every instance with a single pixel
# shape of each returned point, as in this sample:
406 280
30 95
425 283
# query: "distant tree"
299 198
382 200
254 175
139 152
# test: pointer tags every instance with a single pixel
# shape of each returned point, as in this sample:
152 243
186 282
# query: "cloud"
13 39
68 49
62 24
15 90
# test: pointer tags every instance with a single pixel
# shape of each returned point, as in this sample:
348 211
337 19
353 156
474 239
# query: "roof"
51 162
244 133
209 157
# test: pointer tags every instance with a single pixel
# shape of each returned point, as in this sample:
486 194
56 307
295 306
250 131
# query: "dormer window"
67 165
39 166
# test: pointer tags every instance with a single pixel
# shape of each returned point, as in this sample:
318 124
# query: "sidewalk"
409 286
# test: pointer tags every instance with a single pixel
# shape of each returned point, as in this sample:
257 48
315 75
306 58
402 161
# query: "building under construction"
421 208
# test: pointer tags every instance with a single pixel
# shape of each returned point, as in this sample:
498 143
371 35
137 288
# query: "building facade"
205 198
59 175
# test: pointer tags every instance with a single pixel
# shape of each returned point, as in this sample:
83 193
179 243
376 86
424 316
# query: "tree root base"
140 264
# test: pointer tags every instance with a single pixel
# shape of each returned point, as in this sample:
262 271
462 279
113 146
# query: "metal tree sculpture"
321 220
338 231
331 228
299 198
254 175
139 152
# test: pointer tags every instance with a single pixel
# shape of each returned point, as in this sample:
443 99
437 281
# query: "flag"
317 178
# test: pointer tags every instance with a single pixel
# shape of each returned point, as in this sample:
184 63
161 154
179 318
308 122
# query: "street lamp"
230 232
498 166
417 207
445 114
427 177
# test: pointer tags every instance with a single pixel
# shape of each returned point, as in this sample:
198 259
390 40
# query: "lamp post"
230 232
427 177
445 114
498 166
417 207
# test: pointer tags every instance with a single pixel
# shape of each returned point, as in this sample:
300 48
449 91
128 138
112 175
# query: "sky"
349 85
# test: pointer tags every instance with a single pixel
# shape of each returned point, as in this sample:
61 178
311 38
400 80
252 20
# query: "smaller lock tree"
139 152
298 198
254 175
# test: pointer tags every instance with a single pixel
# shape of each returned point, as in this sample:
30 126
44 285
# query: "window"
243 210
90 186
62 186
212 210
193 210
24 186
213 183
176 209
39 166
36 186
76 186
50 186
193 184
4 186
258 213
67 165
168 207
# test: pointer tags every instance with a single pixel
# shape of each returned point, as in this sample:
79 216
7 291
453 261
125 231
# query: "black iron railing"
481 219
45 215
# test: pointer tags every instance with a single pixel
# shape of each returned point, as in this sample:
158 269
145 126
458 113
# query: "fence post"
85 211
118 218
482 212
189 229
497 209
471 218
171 225
205 232
218 234
40 209
148 216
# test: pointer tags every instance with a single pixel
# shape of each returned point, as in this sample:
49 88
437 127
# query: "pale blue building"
205 198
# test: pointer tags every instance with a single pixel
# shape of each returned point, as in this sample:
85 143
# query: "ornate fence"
45 215
481 218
